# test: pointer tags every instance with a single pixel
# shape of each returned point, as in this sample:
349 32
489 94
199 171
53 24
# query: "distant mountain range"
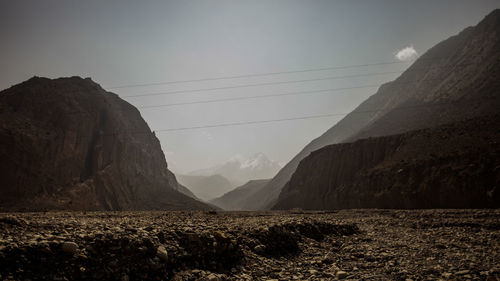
205 187
458 79
67 144
236 199
240 170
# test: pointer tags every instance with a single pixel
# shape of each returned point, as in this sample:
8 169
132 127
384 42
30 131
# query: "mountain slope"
184 190
206 187
236 199
457 79
451 166
68 144
240 170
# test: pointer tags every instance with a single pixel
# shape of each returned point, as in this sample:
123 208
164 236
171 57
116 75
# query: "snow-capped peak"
241 169
258 160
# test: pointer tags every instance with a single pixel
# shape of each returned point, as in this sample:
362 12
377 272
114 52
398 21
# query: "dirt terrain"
295 245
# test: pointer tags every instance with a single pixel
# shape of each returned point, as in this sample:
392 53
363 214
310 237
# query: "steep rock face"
451 166
69 144
457 79
237 199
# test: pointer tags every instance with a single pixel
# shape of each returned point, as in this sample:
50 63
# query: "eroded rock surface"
451 166
67 144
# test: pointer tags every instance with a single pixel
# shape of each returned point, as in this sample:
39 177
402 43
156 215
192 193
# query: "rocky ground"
296 245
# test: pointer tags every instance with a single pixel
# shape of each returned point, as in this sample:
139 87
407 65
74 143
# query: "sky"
129 42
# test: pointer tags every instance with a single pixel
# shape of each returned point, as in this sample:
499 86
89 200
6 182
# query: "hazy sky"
133 42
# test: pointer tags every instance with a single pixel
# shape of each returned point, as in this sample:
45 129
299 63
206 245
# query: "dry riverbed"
347 244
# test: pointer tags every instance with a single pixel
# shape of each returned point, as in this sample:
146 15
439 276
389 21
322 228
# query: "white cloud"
406 54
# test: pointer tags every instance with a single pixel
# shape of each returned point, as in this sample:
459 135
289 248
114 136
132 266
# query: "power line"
266 96
279 95
283 119
268 73
286 119
290 81
282 94
251 122
255 75
261 84
257 97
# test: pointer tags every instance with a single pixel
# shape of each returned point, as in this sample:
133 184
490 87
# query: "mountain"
235 200
455 80
240 170
450 166
184 190
206 187
67 144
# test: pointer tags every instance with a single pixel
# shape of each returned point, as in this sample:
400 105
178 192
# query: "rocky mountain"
240 170
450 166
237 199
184 190
457 79
68 144
206 187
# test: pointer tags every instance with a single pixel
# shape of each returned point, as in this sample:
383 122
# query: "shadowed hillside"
237 199
451 166
69 144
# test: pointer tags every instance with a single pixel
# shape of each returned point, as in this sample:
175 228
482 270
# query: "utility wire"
283 119
262 84
266 96
257 97
279 95
255 75
269 73
290 81
291 119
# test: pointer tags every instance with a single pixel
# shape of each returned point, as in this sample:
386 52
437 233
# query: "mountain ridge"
205 187
477 47
234 200
240 169
429 168
67 144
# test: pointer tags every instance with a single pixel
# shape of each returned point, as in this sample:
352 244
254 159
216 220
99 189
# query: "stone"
69 247
341 274
259 249
162 253
212 277
446 275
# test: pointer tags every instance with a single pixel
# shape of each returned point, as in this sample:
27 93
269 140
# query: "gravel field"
296 245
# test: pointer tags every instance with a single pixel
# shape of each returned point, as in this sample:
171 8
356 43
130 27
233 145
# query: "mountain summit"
69 144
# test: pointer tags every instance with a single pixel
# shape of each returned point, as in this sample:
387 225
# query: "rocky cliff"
68 144
451 166
457 79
